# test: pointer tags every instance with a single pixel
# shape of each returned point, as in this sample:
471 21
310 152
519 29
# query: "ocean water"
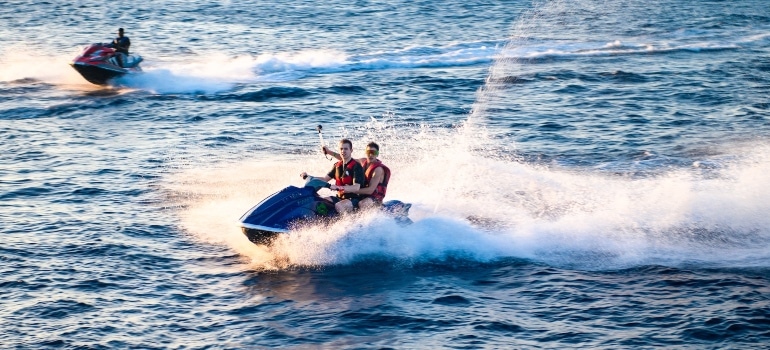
583 174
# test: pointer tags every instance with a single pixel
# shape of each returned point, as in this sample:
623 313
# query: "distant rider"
121 45
376 176
348 175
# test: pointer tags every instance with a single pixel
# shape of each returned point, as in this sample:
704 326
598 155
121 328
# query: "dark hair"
343 141
120 29
373 145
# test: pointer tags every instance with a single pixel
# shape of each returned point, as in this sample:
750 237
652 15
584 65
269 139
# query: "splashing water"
484 209
474 198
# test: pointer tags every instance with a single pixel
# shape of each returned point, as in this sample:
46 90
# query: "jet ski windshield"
316 183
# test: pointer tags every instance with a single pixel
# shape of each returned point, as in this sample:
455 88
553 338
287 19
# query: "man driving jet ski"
349 177
121 45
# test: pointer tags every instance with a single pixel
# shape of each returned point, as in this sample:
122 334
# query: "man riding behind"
348 175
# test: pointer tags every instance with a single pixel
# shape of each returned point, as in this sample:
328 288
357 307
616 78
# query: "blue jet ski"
293 206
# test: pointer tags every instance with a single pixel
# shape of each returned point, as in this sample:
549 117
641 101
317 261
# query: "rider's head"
120 31
346 148
372 150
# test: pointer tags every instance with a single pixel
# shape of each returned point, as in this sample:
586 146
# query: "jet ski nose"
259 237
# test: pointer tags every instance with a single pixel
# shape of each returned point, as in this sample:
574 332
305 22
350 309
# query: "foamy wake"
212 73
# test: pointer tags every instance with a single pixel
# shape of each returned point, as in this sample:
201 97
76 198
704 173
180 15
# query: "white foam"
215 73
165 81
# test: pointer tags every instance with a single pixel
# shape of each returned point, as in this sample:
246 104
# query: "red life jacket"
342 177
382 187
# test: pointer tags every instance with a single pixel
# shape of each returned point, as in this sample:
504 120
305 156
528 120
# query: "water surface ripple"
583 174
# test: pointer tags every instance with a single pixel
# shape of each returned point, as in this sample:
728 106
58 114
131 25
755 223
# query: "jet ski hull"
96 74
98 64
281 211
261 235
293 206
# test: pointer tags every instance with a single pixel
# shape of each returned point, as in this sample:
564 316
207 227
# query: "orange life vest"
382 187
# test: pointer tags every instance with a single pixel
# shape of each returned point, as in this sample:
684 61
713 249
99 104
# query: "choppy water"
583 174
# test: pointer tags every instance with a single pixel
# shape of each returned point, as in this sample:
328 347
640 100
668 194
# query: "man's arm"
331 175
335 155
376 179
305 175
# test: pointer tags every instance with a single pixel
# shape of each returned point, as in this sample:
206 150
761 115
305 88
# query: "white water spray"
491 209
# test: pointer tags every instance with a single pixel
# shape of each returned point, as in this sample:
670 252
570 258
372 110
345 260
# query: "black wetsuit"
121 44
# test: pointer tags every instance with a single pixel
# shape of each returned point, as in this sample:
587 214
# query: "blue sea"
582 174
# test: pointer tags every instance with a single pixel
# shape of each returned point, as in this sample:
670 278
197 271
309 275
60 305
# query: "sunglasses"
372 151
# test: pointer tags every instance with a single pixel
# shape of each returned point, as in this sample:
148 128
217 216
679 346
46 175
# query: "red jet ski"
98 64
